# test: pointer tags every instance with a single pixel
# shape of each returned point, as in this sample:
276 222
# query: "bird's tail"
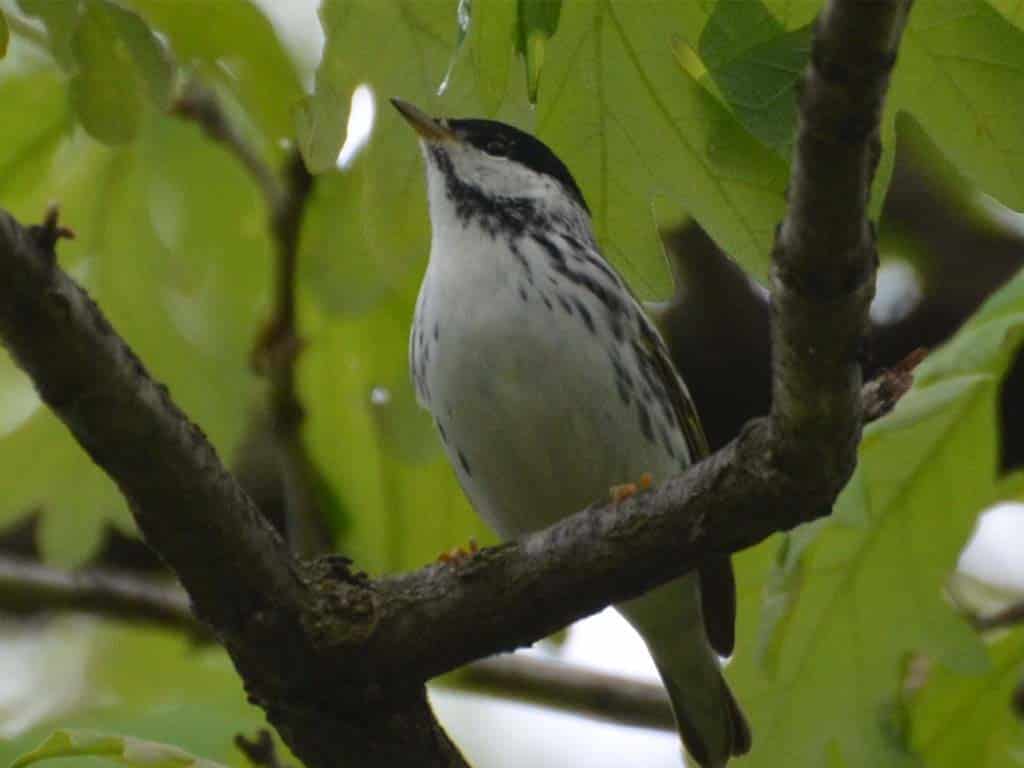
709 719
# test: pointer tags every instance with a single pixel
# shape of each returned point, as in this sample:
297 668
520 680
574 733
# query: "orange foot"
459 555
622 492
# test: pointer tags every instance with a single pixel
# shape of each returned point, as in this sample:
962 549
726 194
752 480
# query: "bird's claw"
626 490
459 555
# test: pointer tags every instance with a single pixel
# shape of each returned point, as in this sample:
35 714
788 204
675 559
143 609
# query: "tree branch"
557 684
29 585
338 661
200 104
273 464
32 586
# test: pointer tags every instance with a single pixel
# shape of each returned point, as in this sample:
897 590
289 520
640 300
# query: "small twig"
28 585
277 346
50 231
553 683
200 104
275 354
260 751
880 395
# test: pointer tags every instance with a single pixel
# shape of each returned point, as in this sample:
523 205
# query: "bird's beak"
426 126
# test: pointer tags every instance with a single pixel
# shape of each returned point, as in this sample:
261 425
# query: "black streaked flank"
667 442
645 422
464 463
585 314
607 295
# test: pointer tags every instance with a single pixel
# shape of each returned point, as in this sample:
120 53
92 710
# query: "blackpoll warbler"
548 385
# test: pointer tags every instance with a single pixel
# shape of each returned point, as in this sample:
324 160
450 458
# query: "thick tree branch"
30 585
338 661
232 563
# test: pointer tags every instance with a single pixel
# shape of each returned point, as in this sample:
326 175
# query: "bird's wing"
717 581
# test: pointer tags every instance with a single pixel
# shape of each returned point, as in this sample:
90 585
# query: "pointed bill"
426 126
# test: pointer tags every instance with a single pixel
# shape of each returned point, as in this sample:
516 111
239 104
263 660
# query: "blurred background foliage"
677 120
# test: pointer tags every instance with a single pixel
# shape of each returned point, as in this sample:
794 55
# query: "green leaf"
959 719
60 17
851 597
388 218
120 749
537 23
30 134
233 43
961 74
172 244
733 28
320 126
755 62
871 593
99 676
338 262
406 506
649 144
492 43
120 64
1012 10
965 54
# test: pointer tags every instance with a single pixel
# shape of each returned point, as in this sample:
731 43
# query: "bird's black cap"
501 139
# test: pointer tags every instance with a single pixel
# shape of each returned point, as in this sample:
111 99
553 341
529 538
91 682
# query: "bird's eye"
496 147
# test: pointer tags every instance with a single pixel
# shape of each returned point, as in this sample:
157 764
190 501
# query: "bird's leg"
458 555
622 492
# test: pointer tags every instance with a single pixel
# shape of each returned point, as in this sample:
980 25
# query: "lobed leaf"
120 65
852 597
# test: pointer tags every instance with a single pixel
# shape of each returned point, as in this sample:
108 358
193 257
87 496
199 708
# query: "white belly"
525 395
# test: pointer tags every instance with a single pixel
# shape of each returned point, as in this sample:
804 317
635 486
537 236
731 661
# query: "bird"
548 385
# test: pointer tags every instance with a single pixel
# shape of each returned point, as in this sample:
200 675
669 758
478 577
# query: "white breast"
516 365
